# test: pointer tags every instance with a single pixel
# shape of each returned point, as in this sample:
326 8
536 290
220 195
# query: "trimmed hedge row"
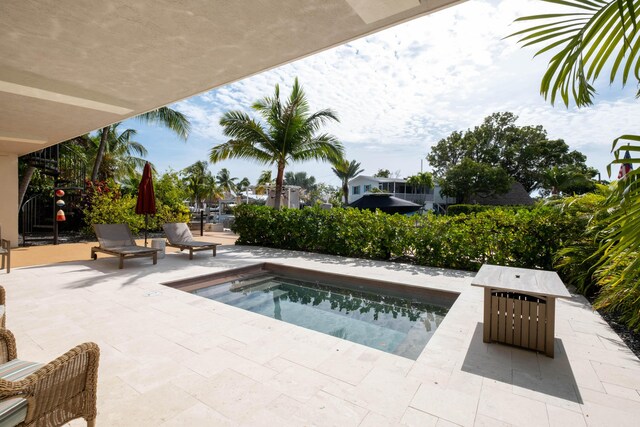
469 209
521 238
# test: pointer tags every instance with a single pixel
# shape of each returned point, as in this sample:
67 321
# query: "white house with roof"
398 187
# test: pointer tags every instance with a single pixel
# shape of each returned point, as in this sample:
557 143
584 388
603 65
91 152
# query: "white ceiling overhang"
69 67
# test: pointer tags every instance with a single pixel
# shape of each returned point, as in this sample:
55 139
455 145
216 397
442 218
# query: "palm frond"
169 118
602 33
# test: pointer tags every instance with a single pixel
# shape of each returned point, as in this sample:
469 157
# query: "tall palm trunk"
24 183
104 133
279 180
345 192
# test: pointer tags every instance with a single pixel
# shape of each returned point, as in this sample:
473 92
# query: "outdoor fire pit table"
520 306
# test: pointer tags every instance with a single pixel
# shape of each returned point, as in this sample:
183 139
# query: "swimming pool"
387 316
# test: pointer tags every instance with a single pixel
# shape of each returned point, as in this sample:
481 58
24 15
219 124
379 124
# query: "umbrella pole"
146 226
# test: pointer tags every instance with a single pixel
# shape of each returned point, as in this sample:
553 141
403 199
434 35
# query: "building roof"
386 203
516 196
379 179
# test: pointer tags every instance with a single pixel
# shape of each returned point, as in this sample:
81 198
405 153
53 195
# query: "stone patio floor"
169 358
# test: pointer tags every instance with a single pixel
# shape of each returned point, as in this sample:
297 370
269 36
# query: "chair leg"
94 255
155 258
214 250
8 261
190 253
91 423
121 264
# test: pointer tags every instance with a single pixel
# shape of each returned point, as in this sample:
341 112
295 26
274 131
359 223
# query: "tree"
243 184
523 152
300 179
170 189
165 116
383 173
225 182
121 155
199 181
290 134
422 180
470 177
306 183
346 170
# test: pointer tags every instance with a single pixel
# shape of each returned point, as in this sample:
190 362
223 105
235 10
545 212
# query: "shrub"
109 207
523 238
469 209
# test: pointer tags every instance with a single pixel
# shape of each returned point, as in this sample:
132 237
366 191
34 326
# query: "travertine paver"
169 358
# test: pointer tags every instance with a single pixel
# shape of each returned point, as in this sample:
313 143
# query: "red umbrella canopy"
146 197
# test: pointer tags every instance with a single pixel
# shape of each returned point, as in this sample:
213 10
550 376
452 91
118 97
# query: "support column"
9 197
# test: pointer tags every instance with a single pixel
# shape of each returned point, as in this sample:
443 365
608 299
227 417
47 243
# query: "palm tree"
346 170
421 180
171 119
225 182
121 155
265 179
200 183
290 134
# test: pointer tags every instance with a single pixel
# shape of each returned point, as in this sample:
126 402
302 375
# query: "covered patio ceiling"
68 67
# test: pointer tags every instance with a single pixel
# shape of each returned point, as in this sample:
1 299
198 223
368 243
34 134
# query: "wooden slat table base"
519 319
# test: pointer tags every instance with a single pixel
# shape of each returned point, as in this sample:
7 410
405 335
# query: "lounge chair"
179 236
5 252
33 394
116 239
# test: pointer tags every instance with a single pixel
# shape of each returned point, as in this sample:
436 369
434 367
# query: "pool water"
389 323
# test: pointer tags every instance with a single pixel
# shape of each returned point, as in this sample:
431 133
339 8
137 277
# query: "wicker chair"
36 395
3 308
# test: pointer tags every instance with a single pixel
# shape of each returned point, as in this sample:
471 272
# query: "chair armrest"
2 296
58 382
5 244
8 349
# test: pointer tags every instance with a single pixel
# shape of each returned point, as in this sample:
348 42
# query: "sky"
399 91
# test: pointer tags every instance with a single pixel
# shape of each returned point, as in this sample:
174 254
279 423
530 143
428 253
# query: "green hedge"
522 238
469 209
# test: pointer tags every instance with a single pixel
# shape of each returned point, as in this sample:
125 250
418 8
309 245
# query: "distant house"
429 198
516 196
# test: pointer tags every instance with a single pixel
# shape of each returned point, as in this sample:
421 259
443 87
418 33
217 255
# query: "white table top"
536 282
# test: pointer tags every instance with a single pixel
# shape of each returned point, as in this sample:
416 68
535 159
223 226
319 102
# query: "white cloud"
399 91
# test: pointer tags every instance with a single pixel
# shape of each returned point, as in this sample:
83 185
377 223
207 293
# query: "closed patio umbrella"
386 203
146 204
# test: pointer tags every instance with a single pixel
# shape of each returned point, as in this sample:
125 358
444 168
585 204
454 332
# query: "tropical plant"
165 116
346 170
599 36
566 180
290 134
